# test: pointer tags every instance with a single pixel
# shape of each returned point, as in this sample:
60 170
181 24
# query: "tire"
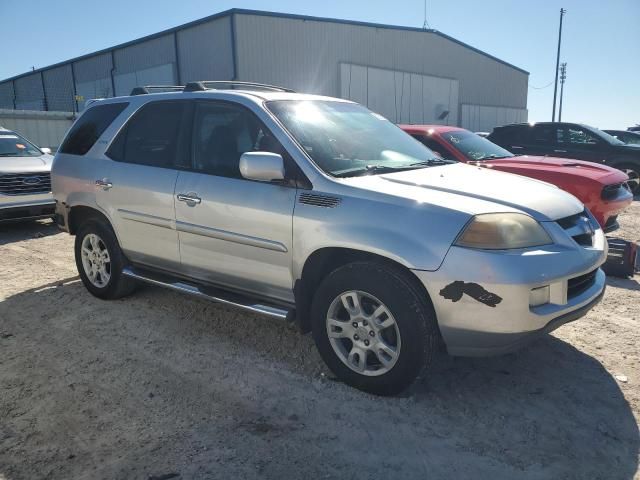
633 171
411 330
109 284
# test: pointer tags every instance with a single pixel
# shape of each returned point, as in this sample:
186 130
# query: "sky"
601 39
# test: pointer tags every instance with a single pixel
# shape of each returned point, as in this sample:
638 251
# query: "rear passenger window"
222 133
152 136
91 124
544 135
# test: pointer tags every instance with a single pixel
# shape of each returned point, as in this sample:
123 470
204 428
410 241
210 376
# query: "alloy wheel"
96 260
363 333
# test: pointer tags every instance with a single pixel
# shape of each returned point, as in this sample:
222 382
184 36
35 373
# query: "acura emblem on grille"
31 181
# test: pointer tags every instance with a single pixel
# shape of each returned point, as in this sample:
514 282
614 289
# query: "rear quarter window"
87 129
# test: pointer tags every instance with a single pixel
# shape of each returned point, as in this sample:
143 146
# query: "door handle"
190 199
516 147
560 151
104 183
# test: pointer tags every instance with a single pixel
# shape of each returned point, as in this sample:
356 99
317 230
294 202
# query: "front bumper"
482 298
26 207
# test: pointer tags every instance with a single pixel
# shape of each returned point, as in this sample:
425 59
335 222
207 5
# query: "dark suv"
571 140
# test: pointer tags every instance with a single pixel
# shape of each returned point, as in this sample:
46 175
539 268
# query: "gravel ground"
160 384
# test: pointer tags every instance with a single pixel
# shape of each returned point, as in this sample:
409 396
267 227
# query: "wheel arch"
325 260
80 213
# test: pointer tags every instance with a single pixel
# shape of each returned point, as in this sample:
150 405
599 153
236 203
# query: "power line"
540 88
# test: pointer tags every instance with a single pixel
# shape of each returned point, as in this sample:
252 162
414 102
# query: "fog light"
539 296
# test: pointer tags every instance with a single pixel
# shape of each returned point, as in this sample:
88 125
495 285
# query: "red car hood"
528 165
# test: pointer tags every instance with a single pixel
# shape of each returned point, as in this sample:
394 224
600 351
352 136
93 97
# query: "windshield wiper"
432 161
376 169
493 156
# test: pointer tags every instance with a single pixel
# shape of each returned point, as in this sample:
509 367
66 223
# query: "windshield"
475 147
13 145
603 135
346 139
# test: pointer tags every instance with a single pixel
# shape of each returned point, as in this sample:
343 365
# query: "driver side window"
222 132
577 136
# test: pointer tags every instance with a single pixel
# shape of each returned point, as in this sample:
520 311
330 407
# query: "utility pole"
563 77
555 88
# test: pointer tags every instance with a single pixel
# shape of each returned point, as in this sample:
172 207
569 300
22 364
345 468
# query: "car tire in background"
374 328
100 261
633 171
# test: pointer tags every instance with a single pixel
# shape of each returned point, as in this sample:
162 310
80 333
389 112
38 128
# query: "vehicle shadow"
548 411
626 283
16 231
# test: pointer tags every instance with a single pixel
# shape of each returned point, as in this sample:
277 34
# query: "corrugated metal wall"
6 95
45 129
482 118
147 63
58 83
402 97
305 54
29 93
93 78
205 51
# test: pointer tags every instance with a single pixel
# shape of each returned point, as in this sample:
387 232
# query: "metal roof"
242 11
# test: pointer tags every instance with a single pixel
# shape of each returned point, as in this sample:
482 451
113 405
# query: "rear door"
541 139
232 231
139 187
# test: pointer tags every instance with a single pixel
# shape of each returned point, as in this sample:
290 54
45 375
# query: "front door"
232 231
580 143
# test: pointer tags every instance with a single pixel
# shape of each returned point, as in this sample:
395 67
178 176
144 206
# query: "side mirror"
46 150
262 166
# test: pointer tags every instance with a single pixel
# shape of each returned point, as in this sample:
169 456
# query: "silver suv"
317 210
25 183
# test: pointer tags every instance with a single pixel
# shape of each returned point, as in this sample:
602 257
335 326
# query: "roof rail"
152 88
231 85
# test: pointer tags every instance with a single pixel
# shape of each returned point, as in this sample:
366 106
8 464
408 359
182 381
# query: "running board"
209 293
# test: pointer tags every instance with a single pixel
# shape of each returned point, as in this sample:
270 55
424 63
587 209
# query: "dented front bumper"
482 298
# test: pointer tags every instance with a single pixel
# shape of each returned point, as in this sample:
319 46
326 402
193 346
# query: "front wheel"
373 328
633 172
100 261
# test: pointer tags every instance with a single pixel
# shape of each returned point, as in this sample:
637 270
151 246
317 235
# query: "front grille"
25 183
580 227
609 192
578 285
611 225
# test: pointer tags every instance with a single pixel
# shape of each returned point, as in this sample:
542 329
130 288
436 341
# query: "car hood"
26 164
527 164
473 190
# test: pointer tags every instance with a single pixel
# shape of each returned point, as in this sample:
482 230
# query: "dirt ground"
161 385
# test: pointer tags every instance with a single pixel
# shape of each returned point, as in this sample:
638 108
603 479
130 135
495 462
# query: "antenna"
425 25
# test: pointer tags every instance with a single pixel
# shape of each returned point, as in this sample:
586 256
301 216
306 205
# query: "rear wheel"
100 261
373 328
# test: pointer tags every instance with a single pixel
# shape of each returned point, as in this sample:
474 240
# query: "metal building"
409 75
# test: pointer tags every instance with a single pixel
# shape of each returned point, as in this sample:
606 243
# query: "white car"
25 179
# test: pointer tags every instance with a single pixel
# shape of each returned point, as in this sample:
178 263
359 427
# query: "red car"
601 188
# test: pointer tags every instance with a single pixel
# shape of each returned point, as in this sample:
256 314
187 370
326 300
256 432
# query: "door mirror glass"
262 166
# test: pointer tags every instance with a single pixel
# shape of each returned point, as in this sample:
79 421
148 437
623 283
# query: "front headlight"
500 231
